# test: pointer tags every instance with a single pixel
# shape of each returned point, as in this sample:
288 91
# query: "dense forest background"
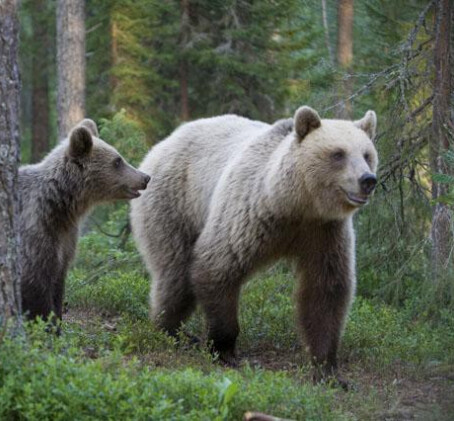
152 64
140 68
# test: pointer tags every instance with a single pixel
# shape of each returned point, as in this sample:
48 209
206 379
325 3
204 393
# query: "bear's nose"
368 182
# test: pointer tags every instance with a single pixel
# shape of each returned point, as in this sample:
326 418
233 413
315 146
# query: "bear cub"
229 196
56 194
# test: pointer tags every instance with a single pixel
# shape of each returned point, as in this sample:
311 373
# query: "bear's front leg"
327 282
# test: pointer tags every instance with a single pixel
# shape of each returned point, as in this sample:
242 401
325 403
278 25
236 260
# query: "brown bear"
56 194
229 195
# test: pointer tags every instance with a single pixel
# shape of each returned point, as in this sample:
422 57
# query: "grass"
111 363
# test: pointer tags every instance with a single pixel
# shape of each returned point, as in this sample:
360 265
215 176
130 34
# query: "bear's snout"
367 183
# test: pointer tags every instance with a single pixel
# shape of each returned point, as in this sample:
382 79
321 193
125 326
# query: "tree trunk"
113 51
184 34
9 162
70 64
326 30
40 83
442 231
345 54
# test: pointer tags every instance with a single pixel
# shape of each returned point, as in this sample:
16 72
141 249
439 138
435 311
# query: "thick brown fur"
229 195
56 194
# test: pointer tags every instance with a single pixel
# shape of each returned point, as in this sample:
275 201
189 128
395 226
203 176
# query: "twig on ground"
259 416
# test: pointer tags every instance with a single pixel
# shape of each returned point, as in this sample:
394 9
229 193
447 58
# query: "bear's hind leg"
36 301
172 301
223 327
218 291
171 307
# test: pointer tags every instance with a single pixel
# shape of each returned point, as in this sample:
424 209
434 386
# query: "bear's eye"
338 155
367 157
117 162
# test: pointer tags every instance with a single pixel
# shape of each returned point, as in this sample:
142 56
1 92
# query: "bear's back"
186 167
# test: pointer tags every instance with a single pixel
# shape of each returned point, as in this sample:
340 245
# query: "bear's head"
339 161
106 175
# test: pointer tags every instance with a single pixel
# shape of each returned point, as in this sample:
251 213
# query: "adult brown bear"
229 195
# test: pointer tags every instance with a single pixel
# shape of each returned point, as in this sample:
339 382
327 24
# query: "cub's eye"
338 155
117 162
367 157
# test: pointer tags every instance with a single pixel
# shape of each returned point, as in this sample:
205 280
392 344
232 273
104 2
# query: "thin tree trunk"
345 53
113 51
40 82
9 162
442 230
185 115
70 64
184 90
326 29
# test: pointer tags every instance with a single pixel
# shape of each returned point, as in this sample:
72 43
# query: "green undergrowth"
47 379
112 363
376 333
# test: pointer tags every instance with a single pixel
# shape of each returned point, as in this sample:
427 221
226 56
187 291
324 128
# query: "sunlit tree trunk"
345 53
442 122
113 50
9 162
70 64
40 81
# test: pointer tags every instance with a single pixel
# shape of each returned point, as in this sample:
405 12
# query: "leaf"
443 178
227 391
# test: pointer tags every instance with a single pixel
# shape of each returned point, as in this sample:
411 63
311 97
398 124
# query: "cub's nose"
368 182
146 179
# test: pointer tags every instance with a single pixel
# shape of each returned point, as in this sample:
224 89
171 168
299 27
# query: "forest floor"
396 392
111 363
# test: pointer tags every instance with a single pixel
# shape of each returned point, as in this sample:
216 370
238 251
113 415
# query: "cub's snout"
137 181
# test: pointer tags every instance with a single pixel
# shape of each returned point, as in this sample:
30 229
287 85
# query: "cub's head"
339 161
106 175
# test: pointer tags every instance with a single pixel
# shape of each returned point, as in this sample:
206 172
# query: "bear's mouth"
356 200
132 194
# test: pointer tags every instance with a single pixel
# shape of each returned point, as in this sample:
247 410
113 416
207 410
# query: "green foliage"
109 280
247 54
98 59
126 136
383 336
144 59
49 380
448 179
267 311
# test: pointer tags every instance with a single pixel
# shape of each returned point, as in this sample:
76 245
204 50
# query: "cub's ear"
306 119
368 123
90 125
80 143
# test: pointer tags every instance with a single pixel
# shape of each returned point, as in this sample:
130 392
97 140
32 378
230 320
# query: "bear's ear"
80 143
90 125
368 123
306 119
